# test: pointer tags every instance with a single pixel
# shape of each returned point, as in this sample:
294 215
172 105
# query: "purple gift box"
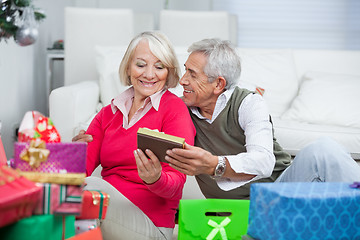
66 163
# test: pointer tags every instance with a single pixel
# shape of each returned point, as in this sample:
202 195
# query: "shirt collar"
222 101
126 97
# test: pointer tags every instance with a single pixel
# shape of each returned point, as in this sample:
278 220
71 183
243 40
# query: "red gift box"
94 205
94 234
18 196
59 199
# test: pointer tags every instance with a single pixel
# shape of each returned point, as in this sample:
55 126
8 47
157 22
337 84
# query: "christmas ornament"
14 21
28 32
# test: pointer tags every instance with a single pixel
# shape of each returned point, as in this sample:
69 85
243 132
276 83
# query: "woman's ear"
220 85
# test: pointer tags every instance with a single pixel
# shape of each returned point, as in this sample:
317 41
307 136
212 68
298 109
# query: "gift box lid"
306 190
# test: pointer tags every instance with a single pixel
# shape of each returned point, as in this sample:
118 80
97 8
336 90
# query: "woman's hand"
149 169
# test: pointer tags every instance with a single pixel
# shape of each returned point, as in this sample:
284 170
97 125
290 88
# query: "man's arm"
194 161
258 160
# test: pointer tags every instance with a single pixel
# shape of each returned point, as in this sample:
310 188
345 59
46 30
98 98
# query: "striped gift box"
59 199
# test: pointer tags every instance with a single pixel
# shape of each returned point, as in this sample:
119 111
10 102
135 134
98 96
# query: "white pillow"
275 73
108 60
182 55
325 98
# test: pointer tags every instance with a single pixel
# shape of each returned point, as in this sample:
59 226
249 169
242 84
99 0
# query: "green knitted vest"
224 136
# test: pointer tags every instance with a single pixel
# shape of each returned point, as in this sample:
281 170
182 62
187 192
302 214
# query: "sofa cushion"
274 71
293 135
329 99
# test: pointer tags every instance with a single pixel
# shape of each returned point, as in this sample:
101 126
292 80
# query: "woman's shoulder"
107 111
171 97
171 104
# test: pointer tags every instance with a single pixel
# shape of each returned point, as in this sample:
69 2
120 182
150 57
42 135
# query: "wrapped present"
94 234
3 160
85 225
59 199
94 205
18 196
36 126
40 227
64 163
304 211
213 219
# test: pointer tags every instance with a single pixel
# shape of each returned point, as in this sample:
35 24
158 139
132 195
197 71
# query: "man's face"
198 92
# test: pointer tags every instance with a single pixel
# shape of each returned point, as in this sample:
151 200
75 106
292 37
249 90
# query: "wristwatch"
220 168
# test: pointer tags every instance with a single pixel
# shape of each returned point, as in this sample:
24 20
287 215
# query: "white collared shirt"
258 159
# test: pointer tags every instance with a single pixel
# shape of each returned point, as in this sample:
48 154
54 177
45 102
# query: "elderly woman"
144 192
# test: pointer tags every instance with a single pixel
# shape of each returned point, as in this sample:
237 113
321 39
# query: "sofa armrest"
71 105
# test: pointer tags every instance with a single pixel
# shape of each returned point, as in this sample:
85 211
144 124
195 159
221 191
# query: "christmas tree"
12 16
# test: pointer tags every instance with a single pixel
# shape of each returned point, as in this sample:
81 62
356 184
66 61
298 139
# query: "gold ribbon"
35 154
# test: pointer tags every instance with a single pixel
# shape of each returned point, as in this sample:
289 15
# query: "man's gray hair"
223 60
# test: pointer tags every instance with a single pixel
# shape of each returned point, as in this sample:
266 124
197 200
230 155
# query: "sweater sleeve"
93 149
170 183
177 122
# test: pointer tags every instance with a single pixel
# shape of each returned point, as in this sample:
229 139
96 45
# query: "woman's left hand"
149 169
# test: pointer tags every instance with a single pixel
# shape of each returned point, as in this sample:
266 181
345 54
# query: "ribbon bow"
355 185
218 228
35 154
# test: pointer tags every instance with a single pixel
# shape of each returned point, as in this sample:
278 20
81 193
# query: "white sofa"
310 93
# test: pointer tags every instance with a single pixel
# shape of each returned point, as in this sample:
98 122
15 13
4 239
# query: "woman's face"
147 74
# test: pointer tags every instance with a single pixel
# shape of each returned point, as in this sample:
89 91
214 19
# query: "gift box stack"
94 208
42 190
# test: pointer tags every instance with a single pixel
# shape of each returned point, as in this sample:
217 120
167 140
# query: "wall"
17 88
22 69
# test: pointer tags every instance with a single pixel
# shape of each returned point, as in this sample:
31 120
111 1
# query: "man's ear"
220 85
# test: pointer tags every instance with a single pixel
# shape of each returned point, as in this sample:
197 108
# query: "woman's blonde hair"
161 47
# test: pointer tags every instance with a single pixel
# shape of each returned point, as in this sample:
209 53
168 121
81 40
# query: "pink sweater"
113 148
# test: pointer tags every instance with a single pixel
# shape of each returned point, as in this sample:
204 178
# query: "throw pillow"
326 98
274 71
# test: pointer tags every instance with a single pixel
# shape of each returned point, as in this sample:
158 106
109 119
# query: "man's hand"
82 137
195 160
192 160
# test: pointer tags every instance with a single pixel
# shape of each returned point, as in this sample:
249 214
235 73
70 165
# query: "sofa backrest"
87 27
277 71
327 61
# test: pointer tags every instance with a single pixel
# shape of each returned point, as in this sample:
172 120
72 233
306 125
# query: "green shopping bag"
212 219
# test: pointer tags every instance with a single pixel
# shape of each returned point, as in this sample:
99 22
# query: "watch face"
220 170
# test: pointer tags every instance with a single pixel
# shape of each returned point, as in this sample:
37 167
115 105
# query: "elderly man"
235 144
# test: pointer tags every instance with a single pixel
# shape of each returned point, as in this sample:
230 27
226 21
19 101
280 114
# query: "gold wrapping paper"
58 178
